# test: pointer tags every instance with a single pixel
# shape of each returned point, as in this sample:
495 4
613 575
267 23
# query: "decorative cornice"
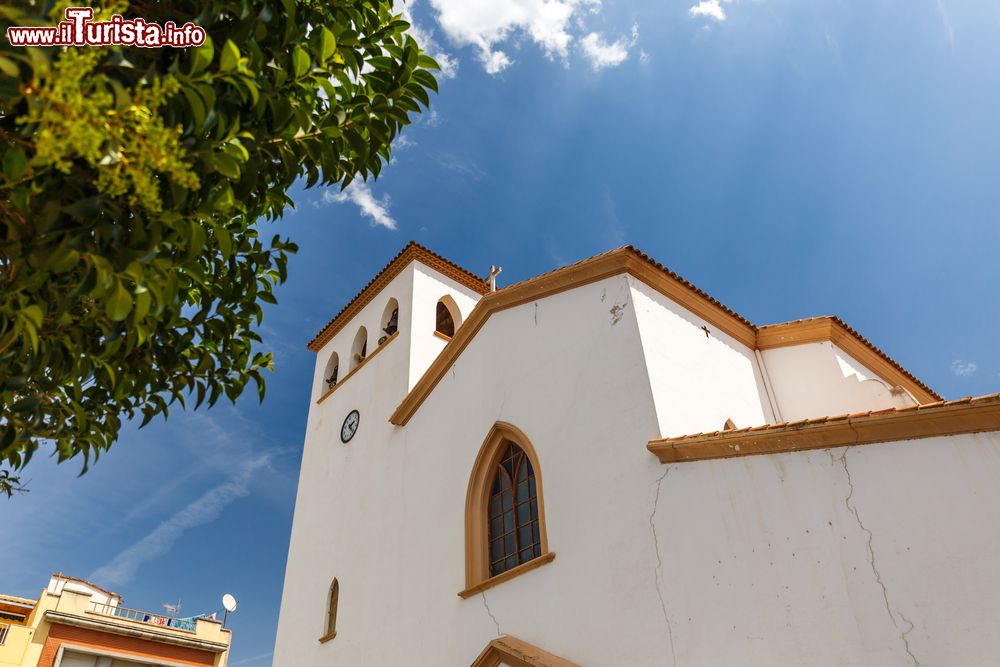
967 415
134 631
412 251
507 650
833 329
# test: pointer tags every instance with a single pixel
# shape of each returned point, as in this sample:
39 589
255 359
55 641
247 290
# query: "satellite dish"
229 602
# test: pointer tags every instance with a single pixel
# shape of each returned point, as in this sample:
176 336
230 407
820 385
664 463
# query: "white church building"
604 466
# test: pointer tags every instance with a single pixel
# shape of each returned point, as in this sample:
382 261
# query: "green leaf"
202 56
327 43
427 62
230 57
227 166
33 314
14 163
300 62
119 303
9 67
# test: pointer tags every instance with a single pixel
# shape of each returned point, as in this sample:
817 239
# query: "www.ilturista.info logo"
80 30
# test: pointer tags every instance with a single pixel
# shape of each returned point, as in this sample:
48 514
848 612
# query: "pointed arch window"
331 612
513 512
504 511
447 317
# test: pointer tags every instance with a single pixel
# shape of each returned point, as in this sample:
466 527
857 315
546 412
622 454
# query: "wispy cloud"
949 27
252 659
460 165
963 368
206 509
601 54
709 8
360 194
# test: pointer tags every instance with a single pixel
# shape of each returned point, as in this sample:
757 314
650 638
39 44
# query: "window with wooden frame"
331 612
504 512
447 318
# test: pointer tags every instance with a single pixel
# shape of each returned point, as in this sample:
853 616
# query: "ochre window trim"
477 568
507 650
332 603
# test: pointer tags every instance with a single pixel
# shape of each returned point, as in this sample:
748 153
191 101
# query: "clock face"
350 426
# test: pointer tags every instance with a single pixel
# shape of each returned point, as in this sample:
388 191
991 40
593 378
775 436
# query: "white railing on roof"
124 613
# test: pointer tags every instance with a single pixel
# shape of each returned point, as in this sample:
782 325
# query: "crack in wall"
488 611
658 570
906 641
904 637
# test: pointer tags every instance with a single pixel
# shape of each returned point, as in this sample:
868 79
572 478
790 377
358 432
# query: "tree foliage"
134 182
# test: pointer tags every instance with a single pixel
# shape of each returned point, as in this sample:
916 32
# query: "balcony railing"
149 618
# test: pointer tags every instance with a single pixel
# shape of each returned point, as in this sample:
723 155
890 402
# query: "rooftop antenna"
229 604
494 272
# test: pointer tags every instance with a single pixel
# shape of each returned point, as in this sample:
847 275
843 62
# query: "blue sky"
791 158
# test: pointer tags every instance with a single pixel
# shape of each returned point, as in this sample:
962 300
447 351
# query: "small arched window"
390 319
359 350
504 511
332 371
513 512
331 612
448 317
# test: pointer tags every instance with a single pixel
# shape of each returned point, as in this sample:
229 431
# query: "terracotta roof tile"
725 435
410 251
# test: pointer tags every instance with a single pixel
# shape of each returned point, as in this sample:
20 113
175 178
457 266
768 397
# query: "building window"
448 317
504 511
3 633
359 350
332 371
513 512
331 612
390 320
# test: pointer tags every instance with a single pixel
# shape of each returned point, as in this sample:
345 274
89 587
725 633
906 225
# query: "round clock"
350 426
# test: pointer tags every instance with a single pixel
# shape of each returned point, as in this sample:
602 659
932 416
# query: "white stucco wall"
385 514
428 287
698 380
820 379
790 559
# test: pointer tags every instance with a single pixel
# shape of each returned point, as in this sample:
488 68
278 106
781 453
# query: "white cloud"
643 57
710 8
359 193
402 142
448 63
206 509
486 24
494 62
601 54
963 368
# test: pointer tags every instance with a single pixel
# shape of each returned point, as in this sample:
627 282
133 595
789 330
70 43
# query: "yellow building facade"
75 623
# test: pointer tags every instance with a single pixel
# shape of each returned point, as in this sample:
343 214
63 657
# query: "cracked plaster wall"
880 555
751 561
